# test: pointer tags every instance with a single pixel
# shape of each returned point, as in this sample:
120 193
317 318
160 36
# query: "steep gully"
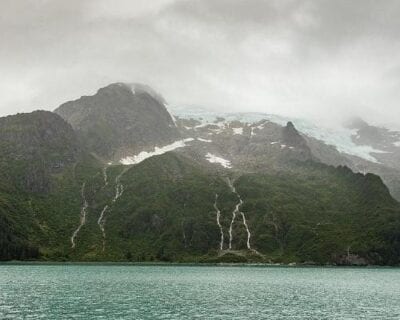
235 212
119 190
218 212
82 216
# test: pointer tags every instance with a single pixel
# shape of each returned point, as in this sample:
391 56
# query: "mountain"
34 146
358 145
115 177
120 120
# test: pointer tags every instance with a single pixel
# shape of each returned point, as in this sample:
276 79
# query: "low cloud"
320 59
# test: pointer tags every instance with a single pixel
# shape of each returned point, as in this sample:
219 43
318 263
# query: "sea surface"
76 291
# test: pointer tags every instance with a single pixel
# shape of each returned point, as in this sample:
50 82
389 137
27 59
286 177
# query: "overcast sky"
319 58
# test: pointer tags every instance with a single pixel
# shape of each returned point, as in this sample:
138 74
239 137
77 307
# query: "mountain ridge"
233 191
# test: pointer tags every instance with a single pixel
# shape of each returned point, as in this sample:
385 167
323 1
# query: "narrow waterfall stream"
82 216
218 213
101 222
247 230
105 177
119 190
235 212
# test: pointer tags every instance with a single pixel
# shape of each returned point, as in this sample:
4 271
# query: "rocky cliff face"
120 120
34 146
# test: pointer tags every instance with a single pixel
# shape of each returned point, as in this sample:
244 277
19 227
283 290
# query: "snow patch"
397 144
237 130
157 151
214 159
274 142
204 140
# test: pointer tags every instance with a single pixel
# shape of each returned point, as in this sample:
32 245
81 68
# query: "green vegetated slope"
163 209
315 214
322 214
41 169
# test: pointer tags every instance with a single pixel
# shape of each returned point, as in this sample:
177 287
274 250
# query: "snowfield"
157 151
237 130
214 159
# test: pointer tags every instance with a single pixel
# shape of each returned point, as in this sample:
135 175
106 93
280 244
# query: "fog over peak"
328 60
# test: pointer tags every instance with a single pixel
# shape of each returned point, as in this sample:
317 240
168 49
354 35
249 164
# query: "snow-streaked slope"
237 130
338 137
157 151
215 159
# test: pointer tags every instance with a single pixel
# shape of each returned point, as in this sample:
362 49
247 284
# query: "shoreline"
192 264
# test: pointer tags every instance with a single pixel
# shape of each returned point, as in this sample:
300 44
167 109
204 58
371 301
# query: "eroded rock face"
121 120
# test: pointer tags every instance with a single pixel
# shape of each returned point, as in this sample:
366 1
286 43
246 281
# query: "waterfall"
101 222
119 190
235 212
82 216
218 212
105 176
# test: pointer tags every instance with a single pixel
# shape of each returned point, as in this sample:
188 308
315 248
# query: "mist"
325 60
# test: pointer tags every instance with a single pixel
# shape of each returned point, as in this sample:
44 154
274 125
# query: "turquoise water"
197 292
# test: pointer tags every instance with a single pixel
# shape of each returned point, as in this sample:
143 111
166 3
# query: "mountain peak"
131 89
291 136
115 87
121 119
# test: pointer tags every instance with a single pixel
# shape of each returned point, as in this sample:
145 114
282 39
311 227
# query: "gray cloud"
329 59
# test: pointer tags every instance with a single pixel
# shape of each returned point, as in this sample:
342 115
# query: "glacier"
339 137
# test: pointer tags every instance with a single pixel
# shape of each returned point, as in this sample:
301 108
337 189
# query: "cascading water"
101 222
235 212
247 230
218 212
119 190
105 177
82 216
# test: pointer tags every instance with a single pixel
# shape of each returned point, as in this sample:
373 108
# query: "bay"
92 291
